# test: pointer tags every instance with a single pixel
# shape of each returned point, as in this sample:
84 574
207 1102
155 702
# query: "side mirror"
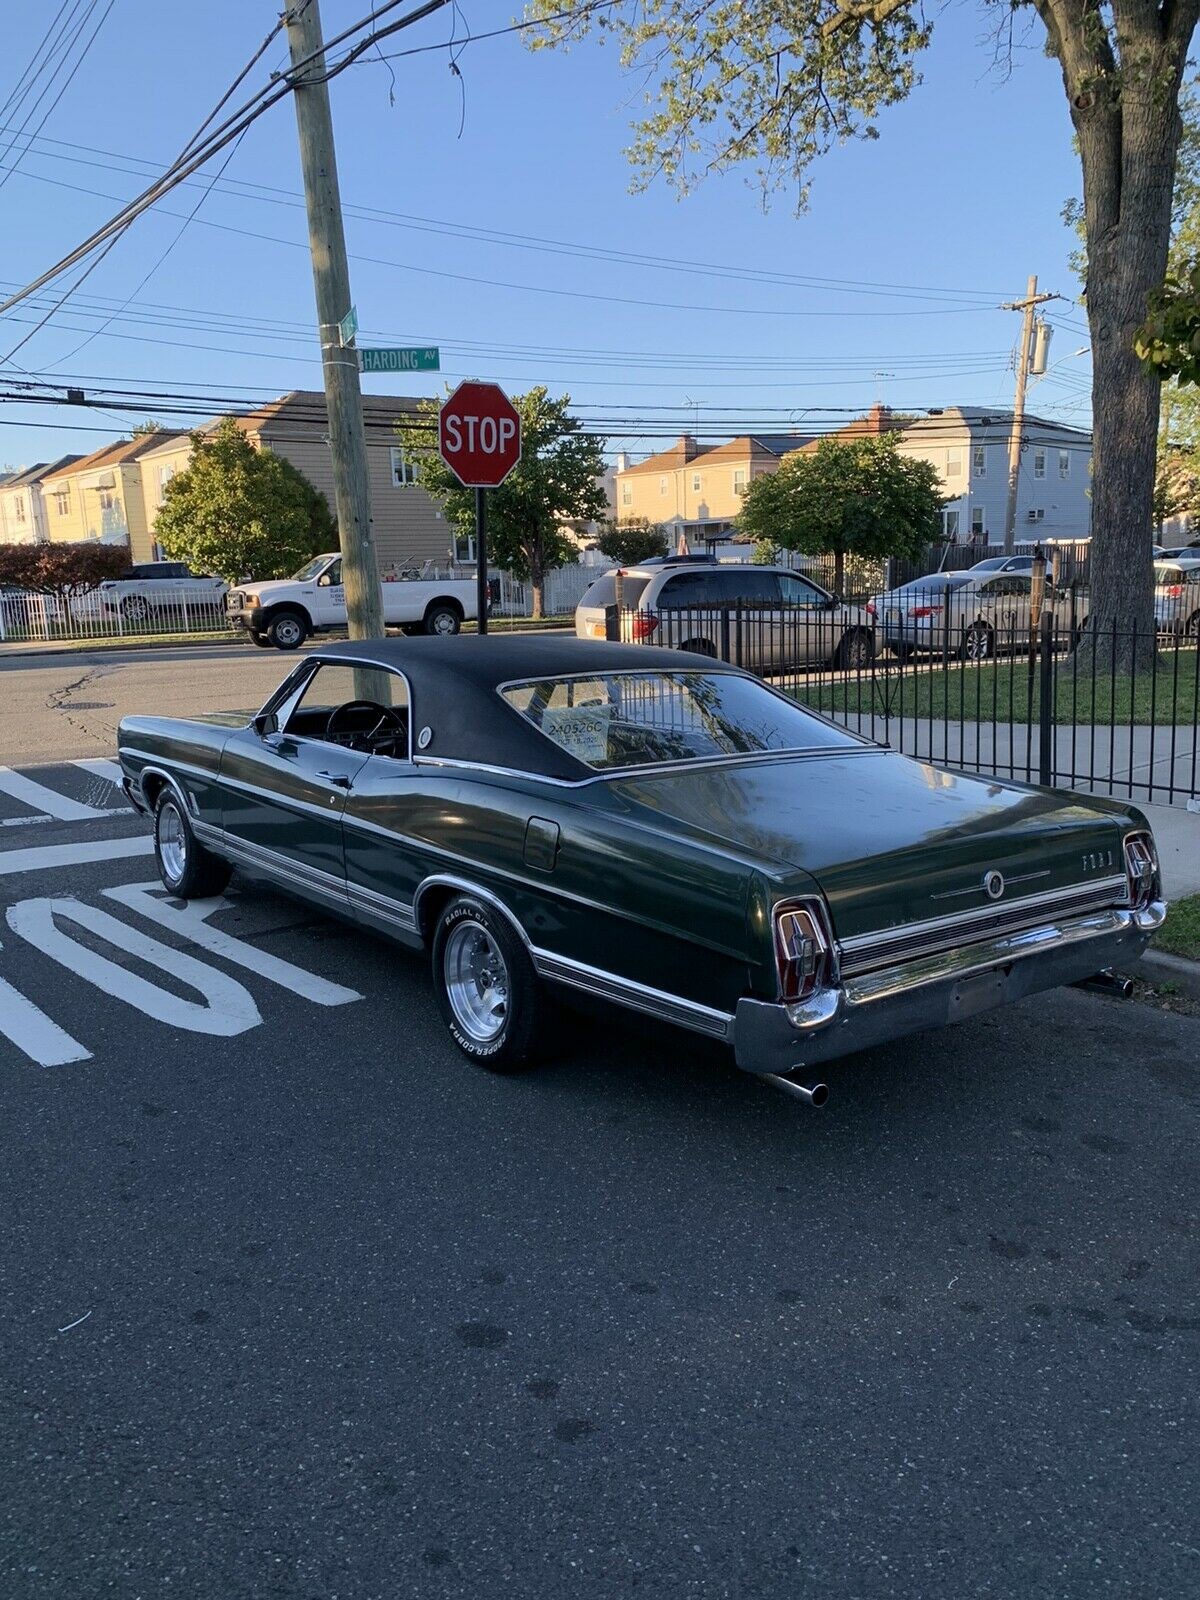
835 600
264 723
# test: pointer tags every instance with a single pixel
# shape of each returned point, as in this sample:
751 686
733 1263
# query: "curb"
79 647
1157 966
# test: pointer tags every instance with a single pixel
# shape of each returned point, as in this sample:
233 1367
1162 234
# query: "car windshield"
635 719
310 569
604 591
935 580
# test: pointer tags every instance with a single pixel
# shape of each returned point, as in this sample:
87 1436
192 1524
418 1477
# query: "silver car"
975 615
766 619
1177 597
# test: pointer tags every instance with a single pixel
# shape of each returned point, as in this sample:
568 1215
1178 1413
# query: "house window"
626 494
978 531
739 480
662 486
953 463
19 508
464 547
695 483
62 501
1039 463
979 460
950 525
108 500
404 471
1064 463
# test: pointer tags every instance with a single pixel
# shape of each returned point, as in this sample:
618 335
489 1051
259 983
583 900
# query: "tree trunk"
537 580
1128 140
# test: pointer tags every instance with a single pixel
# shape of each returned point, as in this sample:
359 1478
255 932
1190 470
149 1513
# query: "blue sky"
959 200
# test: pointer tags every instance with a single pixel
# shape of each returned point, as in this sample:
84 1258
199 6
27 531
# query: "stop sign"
479 435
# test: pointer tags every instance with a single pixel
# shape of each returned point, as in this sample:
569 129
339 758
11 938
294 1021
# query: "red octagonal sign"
479 435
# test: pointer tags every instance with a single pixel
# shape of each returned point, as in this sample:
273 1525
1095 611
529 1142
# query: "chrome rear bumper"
912 996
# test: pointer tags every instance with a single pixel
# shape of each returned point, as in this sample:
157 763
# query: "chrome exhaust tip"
1114 984
813 1094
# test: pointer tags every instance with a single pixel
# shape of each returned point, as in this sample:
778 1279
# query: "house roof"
686 452
306 408
36 473
109 455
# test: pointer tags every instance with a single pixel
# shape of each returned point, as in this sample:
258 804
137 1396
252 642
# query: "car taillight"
1173 591
1141 870
869 608
644 624
802 950
925 611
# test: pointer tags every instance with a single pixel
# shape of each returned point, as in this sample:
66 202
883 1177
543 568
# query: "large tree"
747 80
241 512
847 497
556 481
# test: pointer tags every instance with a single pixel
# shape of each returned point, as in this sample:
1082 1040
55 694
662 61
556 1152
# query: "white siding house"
969 447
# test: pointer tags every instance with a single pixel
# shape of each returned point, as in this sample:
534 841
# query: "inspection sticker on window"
582 731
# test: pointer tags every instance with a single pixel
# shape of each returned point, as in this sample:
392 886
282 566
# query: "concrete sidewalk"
1177 833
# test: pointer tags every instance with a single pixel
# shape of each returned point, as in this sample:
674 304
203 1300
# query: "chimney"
687 446
622 461
878 419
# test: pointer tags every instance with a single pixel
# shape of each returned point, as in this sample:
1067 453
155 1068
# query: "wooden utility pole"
1024 356
331 280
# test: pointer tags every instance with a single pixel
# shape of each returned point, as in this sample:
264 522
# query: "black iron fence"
984 682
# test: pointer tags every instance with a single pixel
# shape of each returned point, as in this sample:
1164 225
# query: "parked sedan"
769 619
974 615
670 835
1177 597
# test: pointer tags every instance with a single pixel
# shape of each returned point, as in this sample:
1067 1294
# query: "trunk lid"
892 841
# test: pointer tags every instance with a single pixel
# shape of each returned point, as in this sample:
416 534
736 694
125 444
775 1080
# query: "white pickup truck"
283 612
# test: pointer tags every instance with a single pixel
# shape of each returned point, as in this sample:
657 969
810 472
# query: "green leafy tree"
735 81
631 542
766 553
857 497
241 512
556 481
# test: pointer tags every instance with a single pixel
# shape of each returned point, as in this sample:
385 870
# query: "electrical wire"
70 78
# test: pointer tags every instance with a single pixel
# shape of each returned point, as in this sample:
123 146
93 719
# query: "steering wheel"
385 721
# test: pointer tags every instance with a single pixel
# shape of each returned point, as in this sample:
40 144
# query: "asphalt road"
62 707
296 1303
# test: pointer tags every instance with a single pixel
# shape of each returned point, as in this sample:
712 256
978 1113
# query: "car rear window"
604 591
615 720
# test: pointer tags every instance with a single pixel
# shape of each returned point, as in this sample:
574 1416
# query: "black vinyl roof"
454 683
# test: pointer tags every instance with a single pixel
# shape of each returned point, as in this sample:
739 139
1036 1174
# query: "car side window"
332 575
335 684
749 586
686 589
799 592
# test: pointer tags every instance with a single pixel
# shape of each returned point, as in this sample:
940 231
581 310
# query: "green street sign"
348 326
413 359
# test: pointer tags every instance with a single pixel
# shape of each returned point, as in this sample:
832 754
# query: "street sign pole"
481 559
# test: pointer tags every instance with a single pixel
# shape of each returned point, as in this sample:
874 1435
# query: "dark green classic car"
649 827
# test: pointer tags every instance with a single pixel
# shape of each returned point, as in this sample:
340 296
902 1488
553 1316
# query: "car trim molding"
286 868
626 992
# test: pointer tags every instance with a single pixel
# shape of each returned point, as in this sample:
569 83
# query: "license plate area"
972 995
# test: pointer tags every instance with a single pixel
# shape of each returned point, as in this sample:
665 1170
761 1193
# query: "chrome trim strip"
449 881
637 996
321 657
209 774
270 860
652 769
895 980
960 919
977 888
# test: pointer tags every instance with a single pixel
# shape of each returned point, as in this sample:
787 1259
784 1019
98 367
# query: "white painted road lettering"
227 1009
45 800
190 922
34 1033
50 856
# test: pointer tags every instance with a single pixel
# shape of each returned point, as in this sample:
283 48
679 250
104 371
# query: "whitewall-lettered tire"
487 990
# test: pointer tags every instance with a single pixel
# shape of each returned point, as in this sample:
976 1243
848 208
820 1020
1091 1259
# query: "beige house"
99 497
22 507
408 526
696 490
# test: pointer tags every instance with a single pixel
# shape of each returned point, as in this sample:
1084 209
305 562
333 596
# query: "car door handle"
338 779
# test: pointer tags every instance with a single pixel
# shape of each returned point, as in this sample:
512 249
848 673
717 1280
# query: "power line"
244 189
70 78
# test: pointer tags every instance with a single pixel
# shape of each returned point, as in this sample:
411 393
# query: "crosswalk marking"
39 798
49 856
23 822
101 767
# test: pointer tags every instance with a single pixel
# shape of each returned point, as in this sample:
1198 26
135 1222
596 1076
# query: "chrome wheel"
977 646
476 979
172 842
